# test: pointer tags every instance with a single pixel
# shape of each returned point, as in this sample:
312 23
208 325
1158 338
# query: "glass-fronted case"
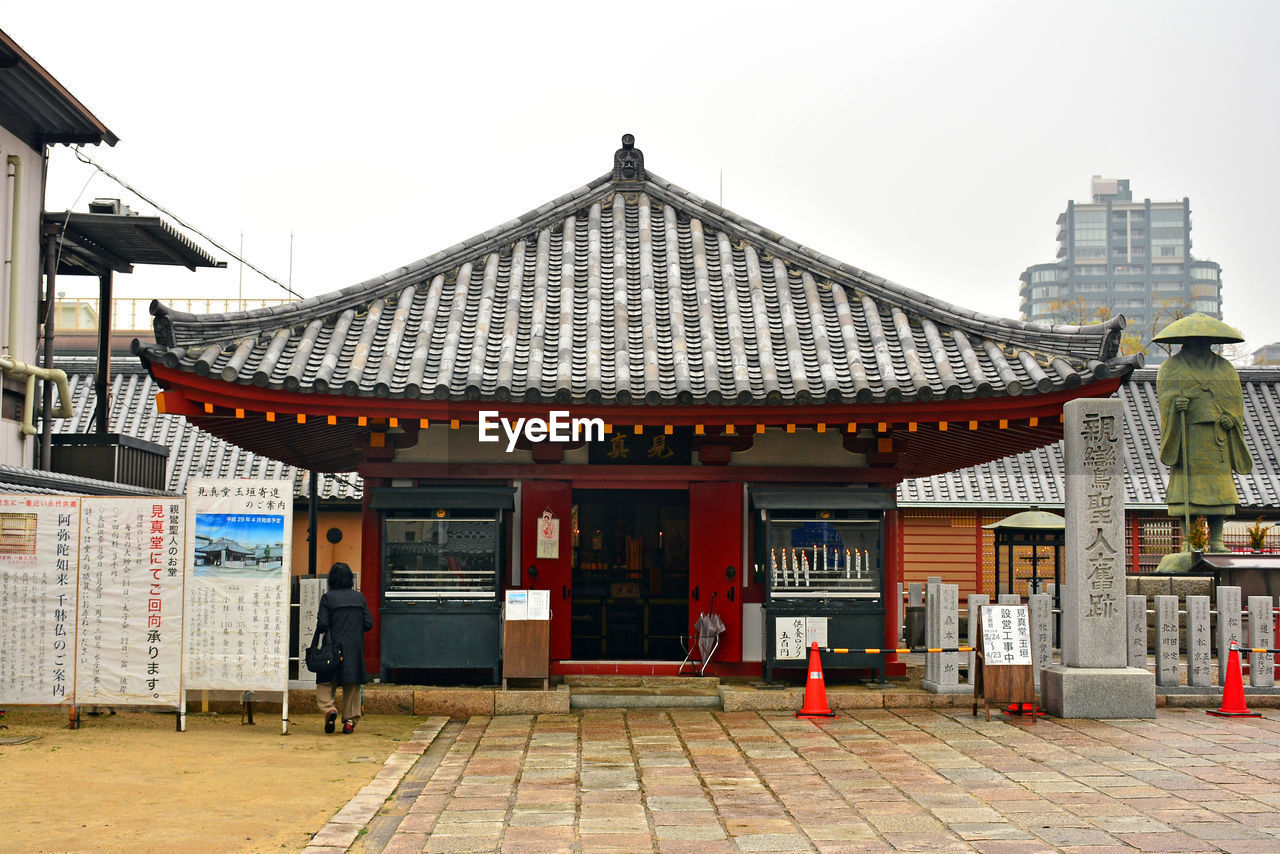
827 555
442 558
823 572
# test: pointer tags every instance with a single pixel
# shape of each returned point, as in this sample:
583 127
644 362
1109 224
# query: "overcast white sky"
933 143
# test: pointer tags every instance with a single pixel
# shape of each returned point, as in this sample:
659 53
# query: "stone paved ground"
906 780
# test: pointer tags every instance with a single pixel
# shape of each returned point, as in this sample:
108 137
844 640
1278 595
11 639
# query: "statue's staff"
1186 483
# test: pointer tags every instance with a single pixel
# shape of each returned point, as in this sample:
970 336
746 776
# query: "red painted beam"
635 477
187 394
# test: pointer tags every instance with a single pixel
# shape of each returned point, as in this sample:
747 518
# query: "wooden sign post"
1003 662
526 636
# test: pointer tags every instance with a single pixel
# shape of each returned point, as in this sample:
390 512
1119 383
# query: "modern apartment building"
1120 256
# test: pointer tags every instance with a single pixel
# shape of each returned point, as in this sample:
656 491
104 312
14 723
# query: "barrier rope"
871 651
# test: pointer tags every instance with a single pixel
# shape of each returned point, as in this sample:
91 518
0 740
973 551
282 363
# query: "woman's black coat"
344 614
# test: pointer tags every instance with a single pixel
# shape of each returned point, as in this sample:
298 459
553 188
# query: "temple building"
641 403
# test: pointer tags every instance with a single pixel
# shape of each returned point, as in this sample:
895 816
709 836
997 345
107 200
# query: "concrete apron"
708 694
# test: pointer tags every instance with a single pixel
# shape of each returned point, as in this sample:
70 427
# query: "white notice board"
792 636
1006 634
517 605
239 552
39 538
539 604
129 638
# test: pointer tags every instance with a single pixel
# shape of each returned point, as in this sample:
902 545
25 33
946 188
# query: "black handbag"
323 658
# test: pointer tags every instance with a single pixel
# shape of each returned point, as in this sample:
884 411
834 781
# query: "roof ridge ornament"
628 161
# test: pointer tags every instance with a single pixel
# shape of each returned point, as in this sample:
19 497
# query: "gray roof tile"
192 451
1035 477
634 292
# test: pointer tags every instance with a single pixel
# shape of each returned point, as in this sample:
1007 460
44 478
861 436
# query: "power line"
84 158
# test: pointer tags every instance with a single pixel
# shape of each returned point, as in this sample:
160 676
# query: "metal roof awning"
94 243
818 498
39 109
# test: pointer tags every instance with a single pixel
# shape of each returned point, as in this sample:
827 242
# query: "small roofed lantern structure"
750 405
1023 539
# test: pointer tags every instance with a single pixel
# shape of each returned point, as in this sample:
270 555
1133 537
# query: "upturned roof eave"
230 396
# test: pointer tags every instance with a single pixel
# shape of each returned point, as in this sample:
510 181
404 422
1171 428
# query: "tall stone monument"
1094 679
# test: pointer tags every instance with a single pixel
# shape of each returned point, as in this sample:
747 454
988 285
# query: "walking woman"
344 614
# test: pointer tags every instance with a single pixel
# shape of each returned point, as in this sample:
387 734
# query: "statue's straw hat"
1198 325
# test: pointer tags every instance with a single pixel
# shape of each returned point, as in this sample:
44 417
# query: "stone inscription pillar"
1094 679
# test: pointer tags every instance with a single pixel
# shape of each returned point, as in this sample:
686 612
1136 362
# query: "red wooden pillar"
715 544
553 574
893 562
371 578
1135 533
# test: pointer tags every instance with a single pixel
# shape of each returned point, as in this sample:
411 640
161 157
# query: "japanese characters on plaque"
129 642
1103 549
792 636
38 576
1006 634
239 548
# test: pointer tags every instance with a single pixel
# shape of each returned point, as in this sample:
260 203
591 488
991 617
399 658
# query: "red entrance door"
552 574
715 560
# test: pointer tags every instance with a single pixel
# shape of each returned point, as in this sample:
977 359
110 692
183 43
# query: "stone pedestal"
1098 692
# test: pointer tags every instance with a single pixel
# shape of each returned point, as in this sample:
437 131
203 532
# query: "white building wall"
22 265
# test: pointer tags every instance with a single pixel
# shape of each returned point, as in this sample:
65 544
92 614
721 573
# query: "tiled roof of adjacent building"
23 481
631 290
192 451
1035 477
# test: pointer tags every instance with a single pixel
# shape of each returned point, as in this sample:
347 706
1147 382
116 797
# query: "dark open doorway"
630 574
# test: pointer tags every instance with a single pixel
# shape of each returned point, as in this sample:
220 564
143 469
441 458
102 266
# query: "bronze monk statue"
1201 427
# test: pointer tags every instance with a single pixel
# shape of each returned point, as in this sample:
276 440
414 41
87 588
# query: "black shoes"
330 719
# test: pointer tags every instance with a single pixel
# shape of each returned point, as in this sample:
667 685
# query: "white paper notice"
129 642
38 575
1006 634
239 546
517 605
539 604
309 592
548 536
815 631
789 638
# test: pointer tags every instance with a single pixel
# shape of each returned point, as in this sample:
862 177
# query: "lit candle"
848 564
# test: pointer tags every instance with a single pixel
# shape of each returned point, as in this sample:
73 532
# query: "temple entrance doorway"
630 563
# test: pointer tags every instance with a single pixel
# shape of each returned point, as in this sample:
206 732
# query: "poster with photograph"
239 549
129 635
39 536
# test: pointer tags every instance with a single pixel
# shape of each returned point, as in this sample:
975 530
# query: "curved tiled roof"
192 451
1035 477
629 291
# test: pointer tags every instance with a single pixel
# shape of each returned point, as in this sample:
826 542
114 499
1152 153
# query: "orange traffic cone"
1233 705
815 689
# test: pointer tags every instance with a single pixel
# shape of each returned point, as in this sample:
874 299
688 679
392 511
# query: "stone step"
665 697
576 680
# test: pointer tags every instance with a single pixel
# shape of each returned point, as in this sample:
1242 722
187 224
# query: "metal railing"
134 314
